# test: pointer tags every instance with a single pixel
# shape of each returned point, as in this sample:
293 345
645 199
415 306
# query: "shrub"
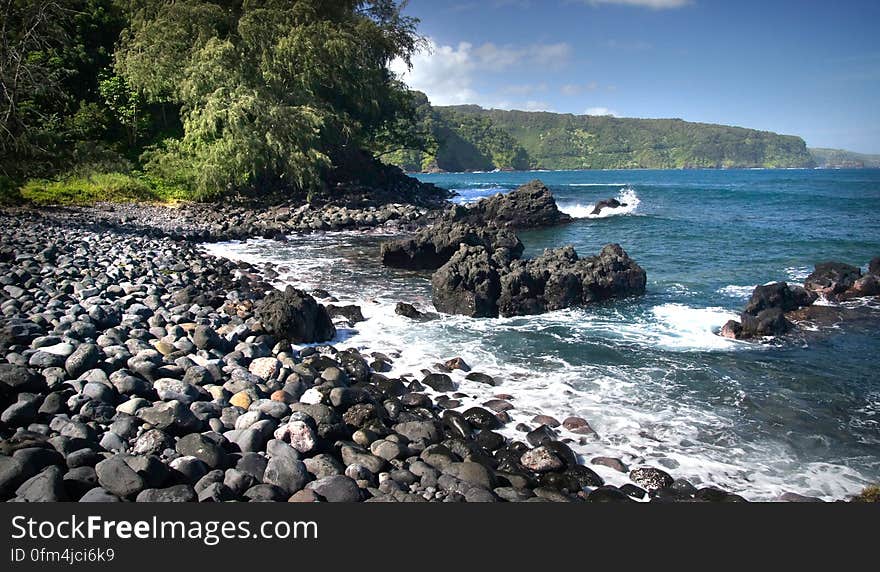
9 194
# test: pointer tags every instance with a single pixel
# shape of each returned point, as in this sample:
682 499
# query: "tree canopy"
208 95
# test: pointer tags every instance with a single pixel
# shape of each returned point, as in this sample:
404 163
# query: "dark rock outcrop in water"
772 307
607 204
529 206
432 247
468 284
475 283
830 279
560 279
486 223
764 315
295 316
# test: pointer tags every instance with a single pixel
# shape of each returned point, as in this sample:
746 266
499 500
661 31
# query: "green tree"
50 56
271 93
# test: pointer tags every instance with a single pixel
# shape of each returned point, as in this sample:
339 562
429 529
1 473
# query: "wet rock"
541 460
425 431
481 418
529 206
611 463
295 316
433 247
439 382
832 278
468 284
606 204
481 378
408 311
560 279
732 330
541 435
473 473
546 420
457 363
650 478
352 314
794 497
607 494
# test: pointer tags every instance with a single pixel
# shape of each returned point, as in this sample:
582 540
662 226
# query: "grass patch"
100 187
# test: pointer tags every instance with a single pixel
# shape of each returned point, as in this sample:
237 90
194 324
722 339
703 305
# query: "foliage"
472 138
9 193
98 187
269 92
52 52
208 95
460 142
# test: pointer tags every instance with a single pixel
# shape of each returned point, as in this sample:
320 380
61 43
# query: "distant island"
840 159
471 138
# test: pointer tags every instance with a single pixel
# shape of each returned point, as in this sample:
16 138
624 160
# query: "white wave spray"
626 196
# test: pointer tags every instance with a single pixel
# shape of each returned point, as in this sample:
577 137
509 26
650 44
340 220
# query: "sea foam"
627 196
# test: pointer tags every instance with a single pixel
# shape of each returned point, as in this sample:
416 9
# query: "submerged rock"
607 204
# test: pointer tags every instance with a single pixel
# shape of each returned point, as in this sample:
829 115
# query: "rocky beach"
135 366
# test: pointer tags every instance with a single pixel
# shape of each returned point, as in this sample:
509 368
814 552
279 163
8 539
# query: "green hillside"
469 137
831 158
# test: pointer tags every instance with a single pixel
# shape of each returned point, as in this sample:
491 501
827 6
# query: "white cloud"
653 4
447 73
444 73
601 111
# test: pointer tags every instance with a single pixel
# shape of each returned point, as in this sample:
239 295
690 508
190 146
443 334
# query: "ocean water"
799 414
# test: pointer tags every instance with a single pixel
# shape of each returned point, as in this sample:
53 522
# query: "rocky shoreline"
135 367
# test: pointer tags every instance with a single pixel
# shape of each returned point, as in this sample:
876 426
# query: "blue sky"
800 67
